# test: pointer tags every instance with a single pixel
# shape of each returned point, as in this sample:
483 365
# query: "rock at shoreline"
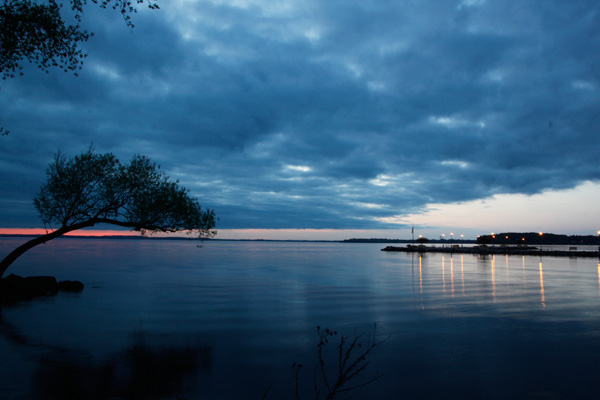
70 286
14 288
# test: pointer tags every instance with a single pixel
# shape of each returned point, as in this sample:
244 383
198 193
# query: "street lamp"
461 239
541 244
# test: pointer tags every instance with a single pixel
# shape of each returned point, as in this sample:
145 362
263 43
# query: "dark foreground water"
166 319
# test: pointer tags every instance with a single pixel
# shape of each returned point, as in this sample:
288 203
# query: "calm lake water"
165 319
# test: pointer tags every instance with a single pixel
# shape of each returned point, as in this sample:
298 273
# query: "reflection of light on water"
494 277
452 273
507 278
502 281
421 273
443 275
421 279
524 280
462 272
542 286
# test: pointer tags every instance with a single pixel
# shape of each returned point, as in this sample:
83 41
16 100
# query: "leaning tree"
92 189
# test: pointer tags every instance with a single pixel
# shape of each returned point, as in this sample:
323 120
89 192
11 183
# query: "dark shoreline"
485 250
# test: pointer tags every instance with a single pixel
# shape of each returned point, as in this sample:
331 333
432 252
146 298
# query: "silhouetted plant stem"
350 364
352 355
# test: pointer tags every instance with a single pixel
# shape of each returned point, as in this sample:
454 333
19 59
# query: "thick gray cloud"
322 114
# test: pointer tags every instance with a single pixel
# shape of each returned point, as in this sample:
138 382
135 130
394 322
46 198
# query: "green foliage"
96 188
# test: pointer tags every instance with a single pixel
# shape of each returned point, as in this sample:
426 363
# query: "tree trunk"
16 253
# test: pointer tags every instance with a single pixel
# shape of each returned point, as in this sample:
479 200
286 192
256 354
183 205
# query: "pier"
484 250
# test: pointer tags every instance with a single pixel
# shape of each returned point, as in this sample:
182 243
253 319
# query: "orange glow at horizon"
40 231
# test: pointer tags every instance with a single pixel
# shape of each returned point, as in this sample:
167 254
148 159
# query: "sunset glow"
40 231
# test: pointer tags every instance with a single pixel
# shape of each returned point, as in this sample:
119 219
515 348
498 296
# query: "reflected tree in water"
143 371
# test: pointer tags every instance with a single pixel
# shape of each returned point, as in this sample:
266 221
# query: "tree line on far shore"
527 238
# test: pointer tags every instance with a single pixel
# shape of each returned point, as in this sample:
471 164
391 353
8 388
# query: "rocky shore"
14 288
510 250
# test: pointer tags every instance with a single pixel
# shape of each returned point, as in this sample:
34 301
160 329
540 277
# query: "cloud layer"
322 114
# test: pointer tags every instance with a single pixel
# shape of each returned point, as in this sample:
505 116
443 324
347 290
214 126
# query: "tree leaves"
97 188
37 33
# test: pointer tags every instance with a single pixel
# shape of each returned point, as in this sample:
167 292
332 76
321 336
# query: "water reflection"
524 277
514 286
421 274
257 304
542 294
494 277
452 273
462 272
507 273
147 369
420 279
443 274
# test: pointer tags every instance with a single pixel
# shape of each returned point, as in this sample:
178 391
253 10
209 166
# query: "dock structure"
484 250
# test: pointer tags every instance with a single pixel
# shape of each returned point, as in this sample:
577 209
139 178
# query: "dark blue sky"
323 114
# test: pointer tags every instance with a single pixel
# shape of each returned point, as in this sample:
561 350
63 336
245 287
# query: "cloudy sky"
453 115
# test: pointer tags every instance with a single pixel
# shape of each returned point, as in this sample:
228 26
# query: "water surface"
162 319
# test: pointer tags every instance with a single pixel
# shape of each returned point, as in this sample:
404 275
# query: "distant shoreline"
510 238
140 237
